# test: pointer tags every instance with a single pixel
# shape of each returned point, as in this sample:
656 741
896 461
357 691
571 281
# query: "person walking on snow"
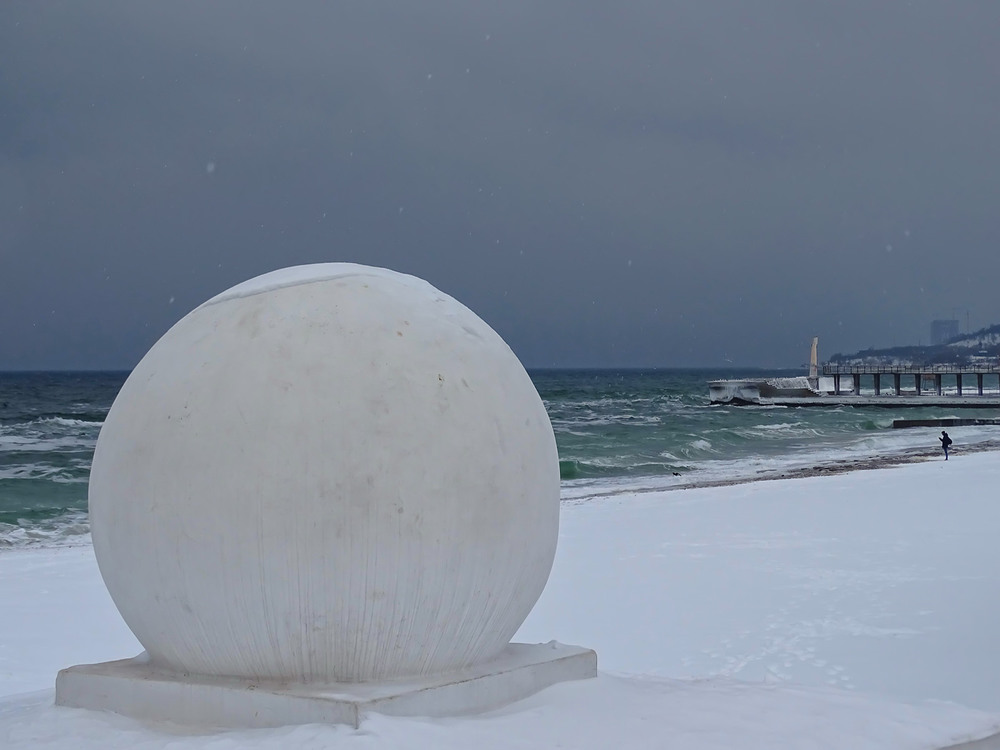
945 442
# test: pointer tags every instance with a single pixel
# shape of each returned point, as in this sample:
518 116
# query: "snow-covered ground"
850 611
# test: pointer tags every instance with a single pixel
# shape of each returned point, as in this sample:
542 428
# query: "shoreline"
828 468
831 468
847 465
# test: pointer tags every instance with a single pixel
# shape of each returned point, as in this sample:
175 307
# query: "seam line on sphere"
230 295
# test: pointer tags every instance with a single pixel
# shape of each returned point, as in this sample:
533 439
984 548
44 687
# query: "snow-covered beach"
849 611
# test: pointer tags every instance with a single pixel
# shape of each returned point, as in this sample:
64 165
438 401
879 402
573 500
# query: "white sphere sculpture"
329 473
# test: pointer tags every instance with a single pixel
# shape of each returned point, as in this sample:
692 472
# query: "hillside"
967 349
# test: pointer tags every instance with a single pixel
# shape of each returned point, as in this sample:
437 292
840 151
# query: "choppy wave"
72 422
49 423
628 431
60 530
42 471
680 433
779 426
23 419
37 444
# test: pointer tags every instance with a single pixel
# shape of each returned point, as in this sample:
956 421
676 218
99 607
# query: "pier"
888 386
917 375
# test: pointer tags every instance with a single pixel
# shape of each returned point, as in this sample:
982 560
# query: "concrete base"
134 688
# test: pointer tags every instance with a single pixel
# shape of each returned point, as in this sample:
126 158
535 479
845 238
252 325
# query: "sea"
618 432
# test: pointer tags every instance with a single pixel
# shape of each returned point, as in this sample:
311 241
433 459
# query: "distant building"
942 330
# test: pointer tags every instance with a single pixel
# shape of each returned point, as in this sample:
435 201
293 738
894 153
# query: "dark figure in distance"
945 442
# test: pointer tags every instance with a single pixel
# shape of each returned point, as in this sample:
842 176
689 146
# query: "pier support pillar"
937 382
896 378
958 382
857 385
877 382
836 384
979 382
916 382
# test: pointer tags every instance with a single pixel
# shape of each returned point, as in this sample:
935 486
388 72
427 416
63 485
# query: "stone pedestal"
133 688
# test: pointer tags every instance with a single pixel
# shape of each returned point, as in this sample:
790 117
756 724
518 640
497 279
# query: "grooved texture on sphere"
330 473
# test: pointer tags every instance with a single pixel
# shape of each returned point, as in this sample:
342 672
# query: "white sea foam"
37 444
593 419
70 530
63 422
790 427
35 471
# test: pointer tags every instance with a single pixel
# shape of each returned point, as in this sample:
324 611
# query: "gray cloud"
643 184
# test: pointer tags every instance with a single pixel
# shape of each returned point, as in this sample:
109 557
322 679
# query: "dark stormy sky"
644 182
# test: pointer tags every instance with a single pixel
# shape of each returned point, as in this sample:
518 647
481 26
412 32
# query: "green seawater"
615 430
